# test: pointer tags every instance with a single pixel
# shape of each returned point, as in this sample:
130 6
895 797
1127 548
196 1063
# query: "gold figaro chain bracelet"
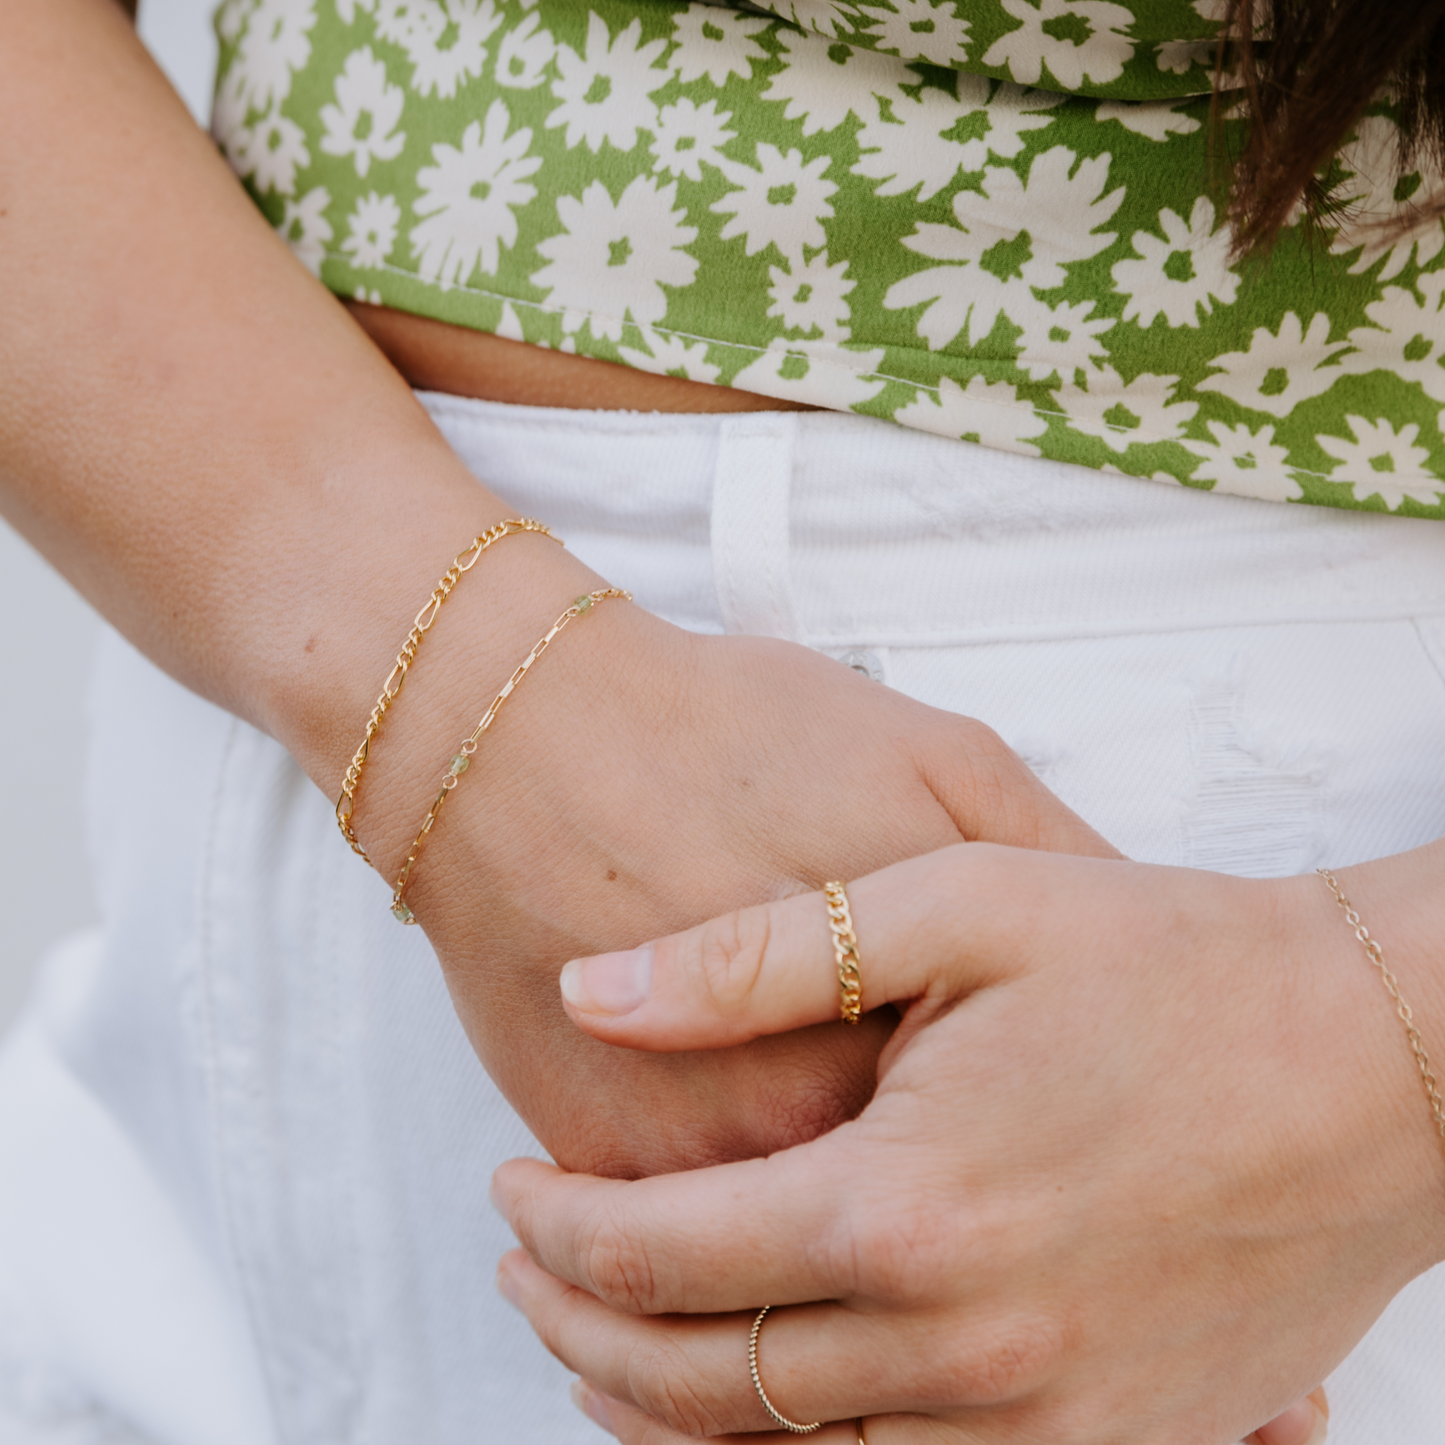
463 563
462 759
1407 1016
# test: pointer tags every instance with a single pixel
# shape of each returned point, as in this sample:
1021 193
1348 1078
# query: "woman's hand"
643 778
1147 1157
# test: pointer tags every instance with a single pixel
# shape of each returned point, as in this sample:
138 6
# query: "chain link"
462 759
1407 1016
462 563
845 953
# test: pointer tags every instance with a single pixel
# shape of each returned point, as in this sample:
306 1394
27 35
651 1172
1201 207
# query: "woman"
253 1068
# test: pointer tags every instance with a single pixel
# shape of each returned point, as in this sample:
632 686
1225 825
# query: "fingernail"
610 983
507 1286
592 1404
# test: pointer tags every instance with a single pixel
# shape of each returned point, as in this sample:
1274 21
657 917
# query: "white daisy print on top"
362 123
1179 57
810 371
229 109
716 43
396 20
606 91
987 412
1405 337
271 152
1245 463
669 355
823 17
469 199
277 42
1058 339
1120 413
1375 220
1181 276
930 30
812 299
231 16
1147 118
783 202
815 93
1076 40
612 260
1378 461
371 231
524 53
306 230
446 43
689 135
1278 370
1016 236
922 136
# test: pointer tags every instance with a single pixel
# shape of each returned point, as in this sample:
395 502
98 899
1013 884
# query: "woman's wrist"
1401 901
331 665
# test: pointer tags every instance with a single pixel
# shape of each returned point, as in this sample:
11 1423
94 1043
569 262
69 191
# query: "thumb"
772 968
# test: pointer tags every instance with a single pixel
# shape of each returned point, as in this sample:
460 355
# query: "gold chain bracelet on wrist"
462 563
1407 1016
462 759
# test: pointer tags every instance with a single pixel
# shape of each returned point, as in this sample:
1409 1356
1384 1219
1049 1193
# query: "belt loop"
752 486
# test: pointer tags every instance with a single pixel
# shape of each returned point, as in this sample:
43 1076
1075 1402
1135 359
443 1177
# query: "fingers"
770 969
817 1362
727 1238
636 1427
994 797
1306 1422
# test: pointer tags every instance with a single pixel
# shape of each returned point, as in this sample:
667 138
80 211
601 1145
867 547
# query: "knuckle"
1001 1362
898 1258
663 1382
730 952
616 1267
983 742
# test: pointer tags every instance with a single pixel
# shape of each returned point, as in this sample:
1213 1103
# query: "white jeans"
244 1146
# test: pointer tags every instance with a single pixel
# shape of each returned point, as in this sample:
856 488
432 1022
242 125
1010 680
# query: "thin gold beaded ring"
791 1426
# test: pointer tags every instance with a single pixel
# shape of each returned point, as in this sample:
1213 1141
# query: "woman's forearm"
194 431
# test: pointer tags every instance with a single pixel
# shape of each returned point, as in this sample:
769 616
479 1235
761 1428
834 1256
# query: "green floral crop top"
988 219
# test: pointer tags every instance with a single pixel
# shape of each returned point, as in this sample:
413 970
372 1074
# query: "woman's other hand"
1148 1156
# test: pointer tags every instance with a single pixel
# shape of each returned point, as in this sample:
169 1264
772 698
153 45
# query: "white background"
50 635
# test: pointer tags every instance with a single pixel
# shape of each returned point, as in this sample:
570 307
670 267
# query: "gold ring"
858 1426
845 953
789 1425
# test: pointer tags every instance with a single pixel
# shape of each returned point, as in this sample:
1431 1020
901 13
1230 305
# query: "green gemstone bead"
583 604
402 913
460 764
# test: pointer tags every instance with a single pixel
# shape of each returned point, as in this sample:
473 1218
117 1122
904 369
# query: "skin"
228 467
199 436
1141 1130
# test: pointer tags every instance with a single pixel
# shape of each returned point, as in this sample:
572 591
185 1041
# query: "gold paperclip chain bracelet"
462 563
462 759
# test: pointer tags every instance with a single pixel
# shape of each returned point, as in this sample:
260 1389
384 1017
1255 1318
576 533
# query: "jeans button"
868 663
